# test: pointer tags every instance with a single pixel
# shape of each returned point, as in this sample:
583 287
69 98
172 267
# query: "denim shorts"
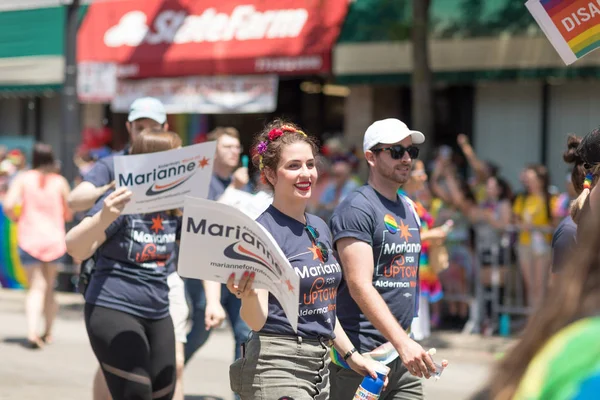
277 366
28 259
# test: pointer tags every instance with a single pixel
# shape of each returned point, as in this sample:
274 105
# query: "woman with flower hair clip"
276 360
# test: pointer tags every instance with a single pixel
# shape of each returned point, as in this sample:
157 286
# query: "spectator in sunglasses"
276 360
376 234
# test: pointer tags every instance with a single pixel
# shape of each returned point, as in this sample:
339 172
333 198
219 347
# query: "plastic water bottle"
370 388
504 328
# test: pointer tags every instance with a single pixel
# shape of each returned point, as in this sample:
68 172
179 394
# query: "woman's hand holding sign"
114 204
254 301
244 287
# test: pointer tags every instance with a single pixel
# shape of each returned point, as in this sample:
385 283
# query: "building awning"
31 46
164 38
469 40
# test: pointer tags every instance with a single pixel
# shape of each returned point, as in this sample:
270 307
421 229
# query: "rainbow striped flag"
572 26
12 275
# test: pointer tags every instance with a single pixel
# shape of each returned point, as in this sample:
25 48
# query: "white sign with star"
160 181
218 240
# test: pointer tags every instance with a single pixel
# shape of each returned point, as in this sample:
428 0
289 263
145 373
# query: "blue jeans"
198 335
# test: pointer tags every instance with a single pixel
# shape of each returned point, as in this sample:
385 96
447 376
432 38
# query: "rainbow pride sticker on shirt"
390 223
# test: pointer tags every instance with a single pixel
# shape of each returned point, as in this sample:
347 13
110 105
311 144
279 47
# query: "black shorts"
137 355
487 258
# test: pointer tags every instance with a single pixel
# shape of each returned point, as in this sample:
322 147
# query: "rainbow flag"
12 275
572 26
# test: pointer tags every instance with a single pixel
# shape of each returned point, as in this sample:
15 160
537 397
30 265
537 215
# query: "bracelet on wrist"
349 353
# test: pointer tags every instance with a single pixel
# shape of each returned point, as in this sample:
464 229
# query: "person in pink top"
41 194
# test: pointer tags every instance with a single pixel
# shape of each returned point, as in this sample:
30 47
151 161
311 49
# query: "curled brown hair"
155 140
573 155
576 296
267 152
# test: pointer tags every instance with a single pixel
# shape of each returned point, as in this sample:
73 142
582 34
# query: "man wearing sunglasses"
376 234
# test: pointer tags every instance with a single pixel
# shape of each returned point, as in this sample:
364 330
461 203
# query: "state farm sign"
169 26
175 38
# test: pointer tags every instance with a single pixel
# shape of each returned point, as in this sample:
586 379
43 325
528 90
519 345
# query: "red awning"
160 38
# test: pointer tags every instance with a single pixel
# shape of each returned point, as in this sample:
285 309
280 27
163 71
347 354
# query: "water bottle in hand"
370 388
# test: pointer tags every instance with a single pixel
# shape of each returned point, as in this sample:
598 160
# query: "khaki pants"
277 366
401 386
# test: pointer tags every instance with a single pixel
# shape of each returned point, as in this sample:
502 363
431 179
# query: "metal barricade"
500 293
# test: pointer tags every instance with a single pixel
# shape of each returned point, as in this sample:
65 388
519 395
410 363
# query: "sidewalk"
65 369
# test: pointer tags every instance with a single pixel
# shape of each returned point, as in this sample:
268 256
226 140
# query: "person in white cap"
376 234
146 113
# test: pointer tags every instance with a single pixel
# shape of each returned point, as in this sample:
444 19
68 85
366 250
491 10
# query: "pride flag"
572 26
12 275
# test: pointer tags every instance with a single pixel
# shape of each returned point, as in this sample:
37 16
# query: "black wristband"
349 353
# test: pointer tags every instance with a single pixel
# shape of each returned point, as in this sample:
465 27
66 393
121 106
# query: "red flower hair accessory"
275 133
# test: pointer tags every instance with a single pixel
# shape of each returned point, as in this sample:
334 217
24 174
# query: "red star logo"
404 233
315 251
290 286
157 224
203 163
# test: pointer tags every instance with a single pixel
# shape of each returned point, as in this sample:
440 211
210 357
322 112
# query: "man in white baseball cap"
389 131
147 107
144 113
377 235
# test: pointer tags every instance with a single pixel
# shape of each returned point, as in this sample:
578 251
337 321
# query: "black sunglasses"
397 151
322 250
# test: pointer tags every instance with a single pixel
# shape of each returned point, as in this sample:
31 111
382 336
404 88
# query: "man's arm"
85 195
214 313
357 261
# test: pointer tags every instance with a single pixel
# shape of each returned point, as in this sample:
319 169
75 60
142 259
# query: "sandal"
47 338
34 344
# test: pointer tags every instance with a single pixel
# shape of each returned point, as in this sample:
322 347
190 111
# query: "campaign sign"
218 240
159 181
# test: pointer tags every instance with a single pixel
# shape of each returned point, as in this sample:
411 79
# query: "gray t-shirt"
392 230
319 280
564 240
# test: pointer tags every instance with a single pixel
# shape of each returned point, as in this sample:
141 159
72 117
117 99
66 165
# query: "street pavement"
64 369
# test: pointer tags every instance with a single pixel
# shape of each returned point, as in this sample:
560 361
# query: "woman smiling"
277 360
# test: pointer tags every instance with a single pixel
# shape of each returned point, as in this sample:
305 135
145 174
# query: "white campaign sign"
218 240
159 181
250 204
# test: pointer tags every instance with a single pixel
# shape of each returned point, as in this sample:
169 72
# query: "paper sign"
250 204
159 181
218 240
572 26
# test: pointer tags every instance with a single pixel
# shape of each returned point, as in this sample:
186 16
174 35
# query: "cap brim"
134 116
417 137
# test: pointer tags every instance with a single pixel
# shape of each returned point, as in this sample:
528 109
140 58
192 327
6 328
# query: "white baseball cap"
388 131
147 107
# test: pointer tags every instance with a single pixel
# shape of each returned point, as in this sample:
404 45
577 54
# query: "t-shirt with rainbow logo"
391 228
